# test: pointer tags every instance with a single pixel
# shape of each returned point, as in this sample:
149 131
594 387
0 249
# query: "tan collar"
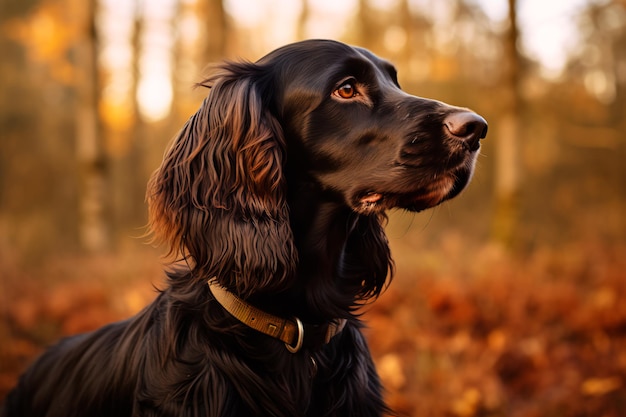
290 331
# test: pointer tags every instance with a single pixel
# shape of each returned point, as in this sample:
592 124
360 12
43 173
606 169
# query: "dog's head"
319 113
352 129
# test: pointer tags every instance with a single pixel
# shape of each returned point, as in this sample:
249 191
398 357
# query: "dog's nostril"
467 126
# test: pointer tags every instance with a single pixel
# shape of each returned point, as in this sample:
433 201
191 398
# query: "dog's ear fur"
219 195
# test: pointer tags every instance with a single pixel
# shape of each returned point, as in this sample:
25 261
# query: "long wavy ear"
219 194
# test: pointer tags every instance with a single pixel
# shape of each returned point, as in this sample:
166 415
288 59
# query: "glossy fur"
278 187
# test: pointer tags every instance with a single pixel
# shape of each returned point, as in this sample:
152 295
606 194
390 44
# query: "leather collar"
291 331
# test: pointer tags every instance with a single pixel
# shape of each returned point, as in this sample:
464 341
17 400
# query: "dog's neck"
334 263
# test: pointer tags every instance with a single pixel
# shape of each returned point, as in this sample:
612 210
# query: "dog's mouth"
417 199
414 200
370 200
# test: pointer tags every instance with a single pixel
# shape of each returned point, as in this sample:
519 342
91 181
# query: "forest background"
508 301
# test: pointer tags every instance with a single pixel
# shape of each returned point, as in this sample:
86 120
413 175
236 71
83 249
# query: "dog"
272 198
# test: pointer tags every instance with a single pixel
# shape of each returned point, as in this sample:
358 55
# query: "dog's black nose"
466 126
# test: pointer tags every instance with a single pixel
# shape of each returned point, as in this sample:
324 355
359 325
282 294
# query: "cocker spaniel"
274 194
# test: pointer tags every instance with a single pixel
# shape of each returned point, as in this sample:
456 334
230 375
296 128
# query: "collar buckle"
300 340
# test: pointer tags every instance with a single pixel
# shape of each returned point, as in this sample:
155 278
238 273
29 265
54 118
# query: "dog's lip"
419 199
371 197
369 202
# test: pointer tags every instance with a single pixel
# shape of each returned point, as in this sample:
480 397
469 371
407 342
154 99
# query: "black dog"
274 194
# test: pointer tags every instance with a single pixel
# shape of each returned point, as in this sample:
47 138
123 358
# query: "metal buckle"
298 346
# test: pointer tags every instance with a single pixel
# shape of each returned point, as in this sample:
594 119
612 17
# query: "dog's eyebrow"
386 67
358 67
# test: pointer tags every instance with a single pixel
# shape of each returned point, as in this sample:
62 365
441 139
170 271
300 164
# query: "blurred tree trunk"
180 84
508 148
303 18
192 52
94 224
617 61
134 161
407 23
367 34
216 30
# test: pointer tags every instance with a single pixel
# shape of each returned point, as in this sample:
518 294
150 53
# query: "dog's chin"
420 199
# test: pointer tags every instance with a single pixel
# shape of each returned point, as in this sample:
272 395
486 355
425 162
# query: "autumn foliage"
532 326
469 333
536 335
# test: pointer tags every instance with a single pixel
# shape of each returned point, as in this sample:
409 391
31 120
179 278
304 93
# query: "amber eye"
346 90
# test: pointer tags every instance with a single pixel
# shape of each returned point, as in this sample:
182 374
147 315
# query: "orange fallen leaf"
600 386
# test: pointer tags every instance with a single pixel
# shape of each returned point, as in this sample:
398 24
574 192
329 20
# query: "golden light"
154 95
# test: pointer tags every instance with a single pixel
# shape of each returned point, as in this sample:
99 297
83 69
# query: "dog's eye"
346 90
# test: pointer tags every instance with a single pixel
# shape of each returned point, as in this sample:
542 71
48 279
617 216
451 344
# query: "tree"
135 158
94 224
507 174
366 33
303 19
216 30
605 75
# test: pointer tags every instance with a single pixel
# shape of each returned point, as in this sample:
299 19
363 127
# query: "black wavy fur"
278 187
